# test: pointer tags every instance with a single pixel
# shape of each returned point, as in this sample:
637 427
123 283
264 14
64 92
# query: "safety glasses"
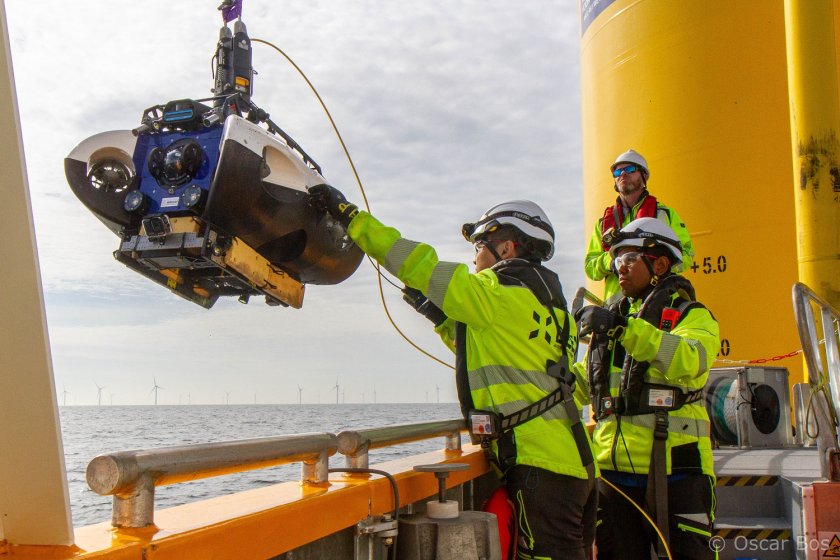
628 259
491 245
629 169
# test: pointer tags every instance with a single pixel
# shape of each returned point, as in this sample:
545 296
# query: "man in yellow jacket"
630 173
508 326
647 363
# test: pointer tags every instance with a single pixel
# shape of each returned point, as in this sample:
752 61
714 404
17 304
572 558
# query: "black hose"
394 488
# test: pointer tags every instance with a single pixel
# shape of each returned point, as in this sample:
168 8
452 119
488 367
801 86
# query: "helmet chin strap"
654 278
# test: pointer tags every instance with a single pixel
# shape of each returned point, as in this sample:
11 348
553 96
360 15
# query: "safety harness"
614 216
487 426
637 396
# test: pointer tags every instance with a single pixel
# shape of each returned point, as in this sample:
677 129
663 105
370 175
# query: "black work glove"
329 199
598 320
423 306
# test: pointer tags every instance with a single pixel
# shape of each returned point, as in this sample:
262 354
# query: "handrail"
355 444
823 374
131 476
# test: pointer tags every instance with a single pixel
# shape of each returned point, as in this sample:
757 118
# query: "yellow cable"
651 521
361 188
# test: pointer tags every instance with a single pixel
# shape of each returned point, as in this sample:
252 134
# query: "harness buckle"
660 429
561 371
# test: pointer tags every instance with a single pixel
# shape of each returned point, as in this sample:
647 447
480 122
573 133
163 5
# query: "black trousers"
623 534
555 513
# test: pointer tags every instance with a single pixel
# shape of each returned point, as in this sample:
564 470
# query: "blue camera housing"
167 198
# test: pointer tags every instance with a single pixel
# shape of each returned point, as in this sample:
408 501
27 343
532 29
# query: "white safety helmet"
646 233
632 156
524 215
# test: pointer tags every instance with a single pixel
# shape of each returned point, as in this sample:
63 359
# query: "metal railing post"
453 441
355 449
317 471
823 375
135 508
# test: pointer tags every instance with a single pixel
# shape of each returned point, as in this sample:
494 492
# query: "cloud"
447 109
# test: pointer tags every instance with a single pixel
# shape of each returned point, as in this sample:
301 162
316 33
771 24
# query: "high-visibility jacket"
509 337
680 358
597 260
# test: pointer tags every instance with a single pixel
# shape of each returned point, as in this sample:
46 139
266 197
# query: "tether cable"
642 511
379 274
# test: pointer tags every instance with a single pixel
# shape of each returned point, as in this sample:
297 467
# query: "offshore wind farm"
157 395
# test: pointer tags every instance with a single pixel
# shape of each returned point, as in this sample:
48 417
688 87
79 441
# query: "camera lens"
176 164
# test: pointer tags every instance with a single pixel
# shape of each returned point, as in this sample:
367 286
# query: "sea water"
89 431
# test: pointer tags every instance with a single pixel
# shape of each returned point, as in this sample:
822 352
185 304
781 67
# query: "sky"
447 109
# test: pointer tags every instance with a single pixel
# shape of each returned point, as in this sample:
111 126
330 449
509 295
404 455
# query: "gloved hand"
329 199
423 306
598 320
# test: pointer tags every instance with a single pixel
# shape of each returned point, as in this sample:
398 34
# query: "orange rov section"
264 522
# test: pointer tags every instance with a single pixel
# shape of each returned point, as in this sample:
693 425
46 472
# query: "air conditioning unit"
749 407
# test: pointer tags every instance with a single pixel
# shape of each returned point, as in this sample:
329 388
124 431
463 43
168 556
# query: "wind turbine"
374 394
437 388
300 394
336 390
155 389
112 399
227 397
99 394
64 393
343 396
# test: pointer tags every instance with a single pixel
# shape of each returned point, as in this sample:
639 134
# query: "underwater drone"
208 196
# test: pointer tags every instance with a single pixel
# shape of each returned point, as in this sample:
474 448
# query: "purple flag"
231 9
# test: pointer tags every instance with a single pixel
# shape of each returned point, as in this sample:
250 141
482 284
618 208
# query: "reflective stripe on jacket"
680 358
509 338
597 261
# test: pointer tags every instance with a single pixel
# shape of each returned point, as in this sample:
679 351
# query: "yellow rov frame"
235 257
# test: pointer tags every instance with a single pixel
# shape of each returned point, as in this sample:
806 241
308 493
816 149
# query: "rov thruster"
208 196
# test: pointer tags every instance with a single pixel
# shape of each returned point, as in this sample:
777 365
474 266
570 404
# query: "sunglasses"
628 259
629 169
